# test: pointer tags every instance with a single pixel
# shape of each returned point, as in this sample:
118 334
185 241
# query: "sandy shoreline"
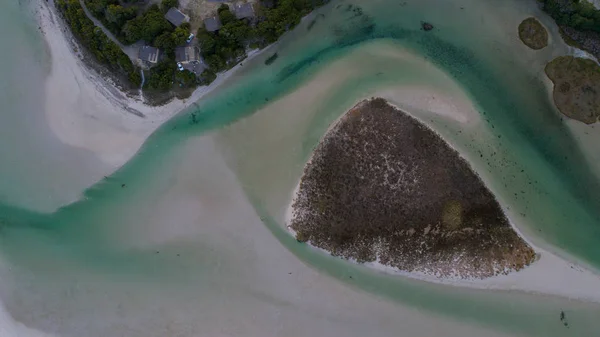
87 111
549 274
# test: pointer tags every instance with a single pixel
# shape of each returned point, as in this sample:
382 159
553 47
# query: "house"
148 54
243 11
175 17
212 24
189 58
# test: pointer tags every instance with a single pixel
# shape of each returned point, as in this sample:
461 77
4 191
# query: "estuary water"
189 239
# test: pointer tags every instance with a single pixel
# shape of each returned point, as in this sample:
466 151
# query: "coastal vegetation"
576 87
224 48
105 51
227 46
533 34
221 50
579 22
578 14
383 187
128 23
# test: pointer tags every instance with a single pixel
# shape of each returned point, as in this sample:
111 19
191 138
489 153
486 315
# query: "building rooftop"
187 54
176 17
212 24
149 54
243 11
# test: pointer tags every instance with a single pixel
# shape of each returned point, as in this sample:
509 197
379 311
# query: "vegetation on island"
576 87
105 51
381 186
533 34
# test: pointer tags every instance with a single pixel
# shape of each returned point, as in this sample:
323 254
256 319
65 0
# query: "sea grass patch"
382 186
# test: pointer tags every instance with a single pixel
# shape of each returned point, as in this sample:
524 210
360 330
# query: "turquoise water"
534 163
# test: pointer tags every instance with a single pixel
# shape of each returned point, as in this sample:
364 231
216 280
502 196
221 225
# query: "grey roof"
243 11
149 54
187 54
175 17
212 24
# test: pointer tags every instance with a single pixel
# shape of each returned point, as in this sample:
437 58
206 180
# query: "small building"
149 54
189 58
176 17
212 24
243 11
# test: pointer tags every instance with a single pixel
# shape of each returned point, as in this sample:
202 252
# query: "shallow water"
173 243
38 172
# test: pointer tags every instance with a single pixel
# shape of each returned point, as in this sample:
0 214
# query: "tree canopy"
581 15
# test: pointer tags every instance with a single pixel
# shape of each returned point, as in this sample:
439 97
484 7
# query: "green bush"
186 79
577 14
147 27
94 40
168 4
161 76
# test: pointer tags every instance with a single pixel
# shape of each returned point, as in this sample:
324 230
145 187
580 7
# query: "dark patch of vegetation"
168 4
533 34
223 49
579 20
426 26
271 59
130 26
577 14
112 14
381 185
160 77
96 42
576 87
146 27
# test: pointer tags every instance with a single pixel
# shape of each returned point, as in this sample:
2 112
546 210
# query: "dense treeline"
220 48
95 41
224 48
578 14
129 25
285 15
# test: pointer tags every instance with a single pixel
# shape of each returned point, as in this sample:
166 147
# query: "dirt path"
131 50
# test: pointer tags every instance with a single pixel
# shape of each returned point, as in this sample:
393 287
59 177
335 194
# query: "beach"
88 111
168 225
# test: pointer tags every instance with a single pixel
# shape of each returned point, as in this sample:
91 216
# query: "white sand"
87 111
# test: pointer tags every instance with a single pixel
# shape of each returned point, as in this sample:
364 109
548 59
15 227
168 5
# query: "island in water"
533 34
382 187
576 87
